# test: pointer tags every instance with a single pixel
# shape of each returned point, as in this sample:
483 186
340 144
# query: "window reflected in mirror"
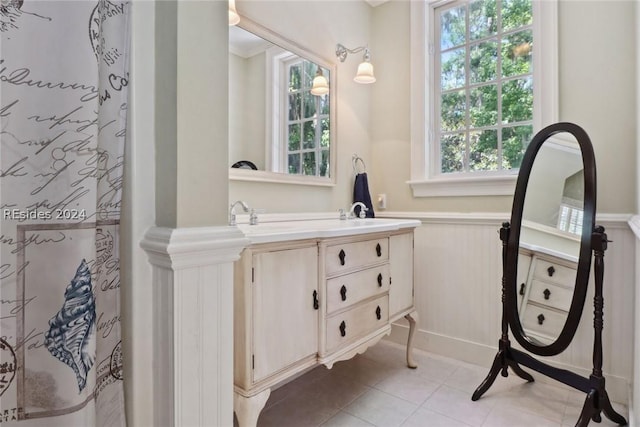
571 205
307 136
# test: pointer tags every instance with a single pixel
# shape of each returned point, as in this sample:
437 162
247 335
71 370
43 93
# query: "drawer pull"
540 319
380 279
551 270
522 288
343 329
378 313
343 293
379 250
342 256
547 293
315 300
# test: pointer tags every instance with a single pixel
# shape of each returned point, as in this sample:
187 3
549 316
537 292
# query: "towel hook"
354 161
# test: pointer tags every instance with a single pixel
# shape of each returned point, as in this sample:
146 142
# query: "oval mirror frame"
584 261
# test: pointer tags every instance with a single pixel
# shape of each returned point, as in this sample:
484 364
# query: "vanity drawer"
349 289
544 321
555 273
551 295
349 256
357 322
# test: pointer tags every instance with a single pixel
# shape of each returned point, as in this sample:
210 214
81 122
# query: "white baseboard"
483 355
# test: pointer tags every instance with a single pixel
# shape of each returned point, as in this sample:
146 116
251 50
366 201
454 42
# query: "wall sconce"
365 69
320 84
234 18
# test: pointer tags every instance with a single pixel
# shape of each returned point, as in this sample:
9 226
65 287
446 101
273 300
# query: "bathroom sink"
324 228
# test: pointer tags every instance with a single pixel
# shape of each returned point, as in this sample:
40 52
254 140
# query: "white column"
192 302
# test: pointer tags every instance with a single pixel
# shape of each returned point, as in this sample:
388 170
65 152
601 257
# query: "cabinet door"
285 321
401 265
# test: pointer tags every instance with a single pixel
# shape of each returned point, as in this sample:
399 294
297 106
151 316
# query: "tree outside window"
484 62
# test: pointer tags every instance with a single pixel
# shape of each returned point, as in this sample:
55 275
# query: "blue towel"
361 194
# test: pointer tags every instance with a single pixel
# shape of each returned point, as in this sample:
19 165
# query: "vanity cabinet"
546 294
313 301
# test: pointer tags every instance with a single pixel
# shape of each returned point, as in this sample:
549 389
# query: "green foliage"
483 60
516 13
452 153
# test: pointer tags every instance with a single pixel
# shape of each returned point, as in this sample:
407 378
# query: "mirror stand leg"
501 363
597 401
496 367
411 318
520 372
588 409
605 405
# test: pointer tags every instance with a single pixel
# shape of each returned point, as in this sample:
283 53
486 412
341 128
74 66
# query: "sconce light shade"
320 85
234 18
365 73
365 69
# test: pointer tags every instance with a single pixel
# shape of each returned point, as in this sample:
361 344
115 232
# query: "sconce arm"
341 52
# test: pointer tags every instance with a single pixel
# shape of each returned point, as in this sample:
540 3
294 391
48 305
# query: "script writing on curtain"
63 103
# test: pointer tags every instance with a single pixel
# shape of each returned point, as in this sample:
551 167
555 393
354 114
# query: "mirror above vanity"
282 123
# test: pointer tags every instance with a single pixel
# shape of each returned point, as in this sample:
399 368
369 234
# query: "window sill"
465 186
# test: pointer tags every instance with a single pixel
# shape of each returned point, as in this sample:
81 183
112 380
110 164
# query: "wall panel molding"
192 274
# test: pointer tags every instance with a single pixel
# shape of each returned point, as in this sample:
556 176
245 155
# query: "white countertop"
268 232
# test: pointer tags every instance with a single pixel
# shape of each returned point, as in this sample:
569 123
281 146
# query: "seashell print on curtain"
64 80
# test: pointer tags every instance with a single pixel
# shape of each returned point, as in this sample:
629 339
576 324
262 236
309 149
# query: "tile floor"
377 389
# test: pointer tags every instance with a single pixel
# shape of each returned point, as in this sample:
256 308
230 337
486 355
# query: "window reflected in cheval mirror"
282 124
550 238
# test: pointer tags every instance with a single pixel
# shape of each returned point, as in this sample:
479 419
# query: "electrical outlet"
382 201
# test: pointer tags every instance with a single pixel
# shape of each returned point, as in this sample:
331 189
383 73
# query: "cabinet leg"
248 409
412 318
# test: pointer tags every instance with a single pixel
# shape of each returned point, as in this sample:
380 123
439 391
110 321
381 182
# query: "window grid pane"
485 94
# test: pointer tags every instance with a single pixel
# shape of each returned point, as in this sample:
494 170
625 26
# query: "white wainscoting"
192 301
458 272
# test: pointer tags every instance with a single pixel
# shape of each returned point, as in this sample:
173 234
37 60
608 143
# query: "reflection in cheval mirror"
547 250
281 109
550 238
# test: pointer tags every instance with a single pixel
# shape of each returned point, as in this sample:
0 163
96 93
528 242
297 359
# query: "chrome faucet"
363 210
232 214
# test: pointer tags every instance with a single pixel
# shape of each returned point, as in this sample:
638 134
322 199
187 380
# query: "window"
570 218
482 70
307 124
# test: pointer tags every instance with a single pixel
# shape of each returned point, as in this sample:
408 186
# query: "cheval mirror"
546 253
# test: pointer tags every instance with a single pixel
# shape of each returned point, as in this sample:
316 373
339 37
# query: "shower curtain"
63 91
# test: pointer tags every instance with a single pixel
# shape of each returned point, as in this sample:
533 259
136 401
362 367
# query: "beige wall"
191 116
598 91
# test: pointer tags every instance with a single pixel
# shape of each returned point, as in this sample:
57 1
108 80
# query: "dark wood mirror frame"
584 259
594 240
